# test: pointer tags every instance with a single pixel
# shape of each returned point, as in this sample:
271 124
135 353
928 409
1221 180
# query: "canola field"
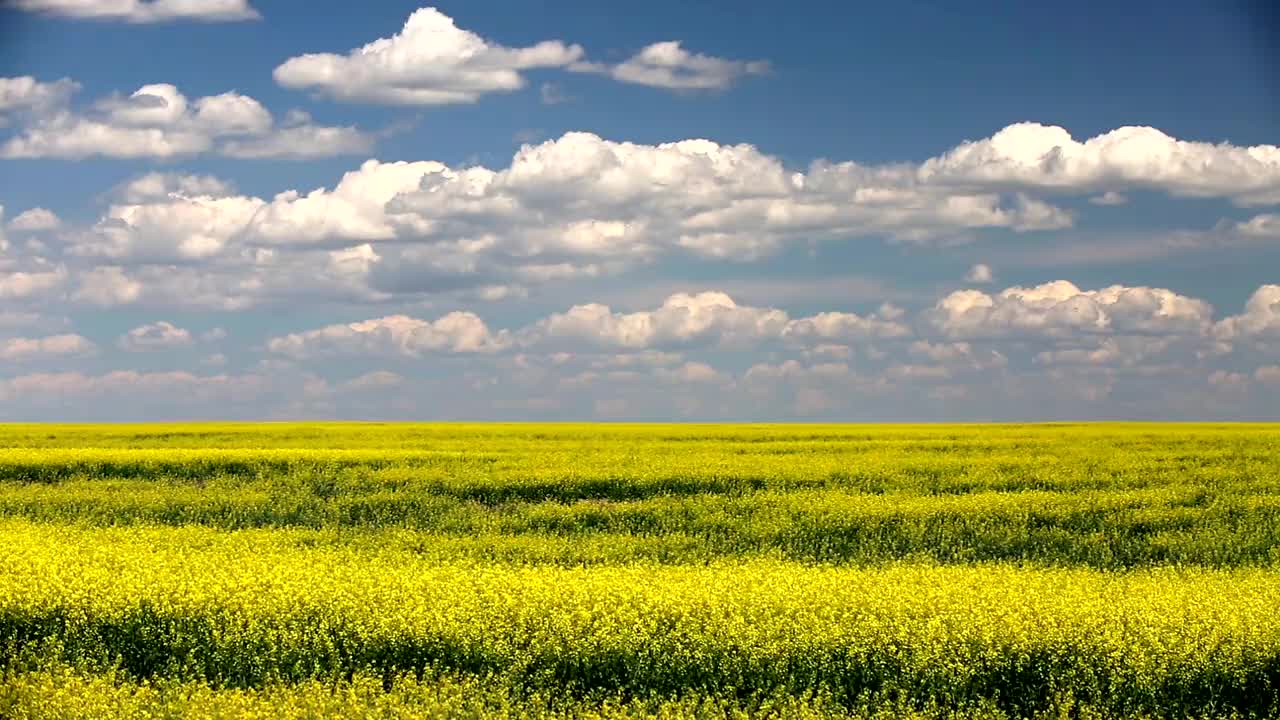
639 571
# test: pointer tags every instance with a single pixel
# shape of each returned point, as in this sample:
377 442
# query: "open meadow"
626 571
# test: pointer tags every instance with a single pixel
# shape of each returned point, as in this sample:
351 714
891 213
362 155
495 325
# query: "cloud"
35 220
979 274
430 61
701 320
144 11
668 65
26 94
1060 309
159 335
158 121
1265 226
707 317
30 284
160 186
457 332
106 286
25 349
1045 157
301 140
1259 321
578 206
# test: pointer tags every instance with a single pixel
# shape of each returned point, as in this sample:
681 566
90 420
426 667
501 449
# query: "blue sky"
681 210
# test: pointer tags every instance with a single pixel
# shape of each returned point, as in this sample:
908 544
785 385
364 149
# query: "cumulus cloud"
705 319
165 185
144 11
161 335
27 94
1030 155
300 139
36 219
1059 309
24 349
457 332
1259 321
1265 226
158 121
1268 375
668 65
577 206
431 61
19 284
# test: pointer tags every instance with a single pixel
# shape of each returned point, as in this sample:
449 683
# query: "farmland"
493 571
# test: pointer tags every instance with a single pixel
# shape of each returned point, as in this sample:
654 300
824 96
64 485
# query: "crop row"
237 611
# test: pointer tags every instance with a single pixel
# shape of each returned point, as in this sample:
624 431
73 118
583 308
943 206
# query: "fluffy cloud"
160 335
1265 226
1030 155
457 332
160 186
23 349
1060 309
144 11
706 319
27 94
430 61
158 121
668 65
573 207
28 284
1259 321
35 220
300 139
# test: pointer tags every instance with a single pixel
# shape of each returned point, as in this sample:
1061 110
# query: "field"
627 571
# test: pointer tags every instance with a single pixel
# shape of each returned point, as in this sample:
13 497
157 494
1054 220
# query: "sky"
694 210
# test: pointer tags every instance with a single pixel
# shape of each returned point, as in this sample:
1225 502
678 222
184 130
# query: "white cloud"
158 121
979 274
1266 226
24 349
153 390
161 335
26 94
1030 155
144 11
302 141
430 61
578 206
707 317
1259 321
160 186
668 65
107 286
1060 309
28 284
457 332
36 219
